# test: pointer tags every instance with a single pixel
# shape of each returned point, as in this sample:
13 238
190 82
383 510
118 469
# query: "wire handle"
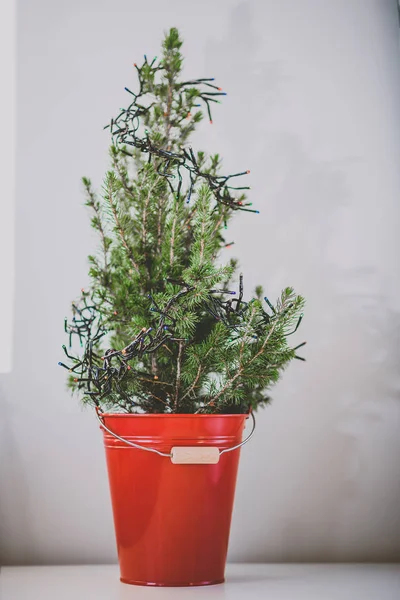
169 454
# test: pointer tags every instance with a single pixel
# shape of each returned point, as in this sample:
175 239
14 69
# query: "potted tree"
162 343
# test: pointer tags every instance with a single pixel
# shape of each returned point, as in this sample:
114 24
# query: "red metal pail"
171 521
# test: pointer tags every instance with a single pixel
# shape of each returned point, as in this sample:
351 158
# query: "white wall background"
7 174
312 110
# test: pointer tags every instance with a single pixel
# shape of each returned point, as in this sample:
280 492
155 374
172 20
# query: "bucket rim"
175 415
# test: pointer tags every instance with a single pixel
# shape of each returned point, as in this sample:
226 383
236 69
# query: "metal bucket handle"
170 454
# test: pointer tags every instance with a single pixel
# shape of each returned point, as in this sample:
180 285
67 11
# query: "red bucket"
171 520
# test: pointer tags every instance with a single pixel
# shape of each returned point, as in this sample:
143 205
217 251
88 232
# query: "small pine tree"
179 338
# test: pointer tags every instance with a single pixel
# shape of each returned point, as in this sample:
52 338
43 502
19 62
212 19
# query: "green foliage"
158 260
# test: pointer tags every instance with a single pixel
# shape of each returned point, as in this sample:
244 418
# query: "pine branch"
94 205
243 366
178 375
168 124
202 243
194 384
109 198
172 243
160 211
198 374
121 173
229 383
144 219
177 337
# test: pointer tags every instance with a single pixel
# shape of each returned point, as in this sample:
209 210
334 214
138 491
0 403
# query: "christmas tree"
161 328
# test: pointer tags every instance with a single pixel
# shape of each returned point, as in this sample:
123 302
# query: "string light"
125 132
99 379
269 304
103 375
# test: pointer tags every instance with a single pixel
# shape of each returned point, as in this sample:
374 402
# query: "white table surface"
244 582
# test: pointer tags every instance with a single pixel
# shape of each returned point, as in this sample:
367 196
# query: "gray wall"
312 110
